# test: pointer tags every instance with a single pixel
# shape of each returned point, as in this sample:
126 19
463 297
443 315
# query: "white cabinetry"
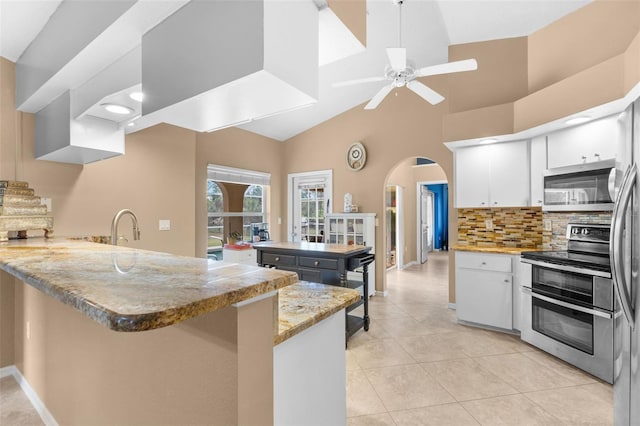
353 228
593 141
246 256
538 166
485 285
492 175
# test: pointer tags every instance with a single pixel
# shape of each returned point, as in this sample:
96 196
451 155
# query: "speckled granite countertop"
134 290
497 250
305 304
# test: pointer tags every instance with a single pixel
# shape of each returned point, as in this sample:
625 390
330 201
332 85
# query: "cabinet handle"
316 263
277 259
483 263
482 203
597 155
506 281
584 159
495 203
539 201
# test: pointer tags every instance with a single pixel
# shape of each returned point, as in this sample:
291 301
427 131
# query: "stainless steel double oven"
568 303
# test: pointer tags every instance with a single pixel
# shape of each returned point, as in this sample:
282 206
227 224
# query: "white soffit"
473 21
213 65
20 22
40 74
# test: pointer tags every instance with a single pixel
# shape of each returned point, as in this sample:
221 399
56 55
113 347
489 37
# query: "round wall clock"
356 156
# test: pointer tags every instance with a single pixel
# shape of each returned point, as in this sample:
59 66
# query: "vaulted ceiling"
428 28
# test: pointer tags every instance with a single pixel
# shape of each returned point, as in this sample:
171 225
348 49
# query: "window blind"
234 175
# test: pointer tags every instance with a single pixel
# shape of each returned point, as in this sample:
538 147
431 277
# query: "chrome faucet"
116 220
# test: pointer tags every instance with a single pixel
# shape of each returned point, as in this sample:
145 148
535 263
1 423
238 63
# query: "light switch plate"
546 225
488 223
164 225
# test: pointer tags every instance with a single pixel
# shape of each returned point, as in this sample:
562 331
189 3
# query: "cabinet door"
538 166
580 144
484 297
472 176
509 183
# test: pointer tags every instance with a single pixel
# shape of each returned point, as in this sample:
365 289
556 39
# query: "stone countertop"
317 247
304 304
497 250
129 289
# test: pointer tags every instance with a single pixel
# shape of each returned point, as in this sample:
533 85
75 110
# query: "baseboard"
452 306
31 394
9 371
382 293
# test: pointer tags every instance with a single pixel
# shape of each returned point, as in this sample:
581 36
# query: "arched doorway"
406 186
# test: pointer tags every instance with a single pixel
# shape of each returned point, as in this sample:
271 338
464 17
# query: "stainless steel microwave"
583 187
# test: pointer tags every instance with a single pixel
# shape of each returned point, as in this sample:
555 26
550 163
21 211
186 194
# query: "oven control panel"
597 233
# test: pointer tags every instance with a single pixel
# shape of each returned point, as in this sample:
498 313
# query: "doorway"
426 223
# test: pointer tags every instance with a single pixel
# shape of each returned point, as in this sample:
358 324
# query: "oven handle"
566 268
616 244
582 309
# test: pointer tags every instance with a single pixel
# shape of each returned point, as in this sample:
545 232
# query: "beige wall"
237 148
402 127
353 14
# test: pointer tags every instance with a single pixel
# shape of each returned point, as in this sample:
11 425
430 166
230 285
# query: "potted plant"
233 237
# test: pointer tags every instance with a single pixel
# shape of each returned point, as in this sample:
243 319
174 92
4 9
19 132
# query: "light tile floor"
417 366
15 408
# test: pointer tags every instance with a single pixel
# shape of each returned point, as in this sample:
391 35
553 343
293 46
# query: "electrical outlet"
279 221
164 225
546 225
28 330
488 223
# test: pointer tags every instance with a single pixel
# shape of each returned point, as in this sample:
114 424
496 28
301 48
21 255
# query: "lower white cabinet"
485 286
246 256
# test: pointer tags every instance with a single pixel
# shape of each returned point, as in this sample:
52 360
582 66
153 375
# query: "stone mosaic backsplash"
510 227
554 235
521 227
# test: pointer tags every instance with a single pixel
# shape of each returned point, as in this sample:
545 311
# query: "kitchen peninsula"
169 339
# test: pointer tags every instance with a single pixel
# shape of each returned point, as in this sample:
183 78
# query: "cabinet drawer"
278 259
312 275
482 261
314 262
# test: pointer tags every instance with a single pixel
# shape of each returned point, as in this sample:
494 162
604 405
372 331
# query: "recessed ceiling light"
578 120
137 96
488 141
117 109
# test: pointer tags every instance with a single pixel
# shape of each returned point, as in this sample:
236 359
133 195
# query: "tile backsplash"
519 227
554 237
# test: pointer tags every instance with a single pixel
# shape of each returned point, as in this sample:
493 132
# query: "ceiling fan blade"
397 58
450 67
378 97
425 92
358 81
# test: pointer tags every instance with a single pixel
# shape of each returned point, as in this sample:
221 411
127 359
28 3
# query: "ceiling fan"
401 73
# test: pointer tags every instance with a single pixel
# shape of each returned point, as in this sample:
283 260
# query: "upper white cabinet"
593 141
538 165
492 175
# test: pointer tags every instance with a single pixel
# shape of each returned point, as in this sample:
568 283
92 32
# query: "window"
309 200
236 198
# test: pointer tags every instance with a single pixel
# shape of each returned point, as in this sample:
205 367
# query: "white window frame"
306 178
